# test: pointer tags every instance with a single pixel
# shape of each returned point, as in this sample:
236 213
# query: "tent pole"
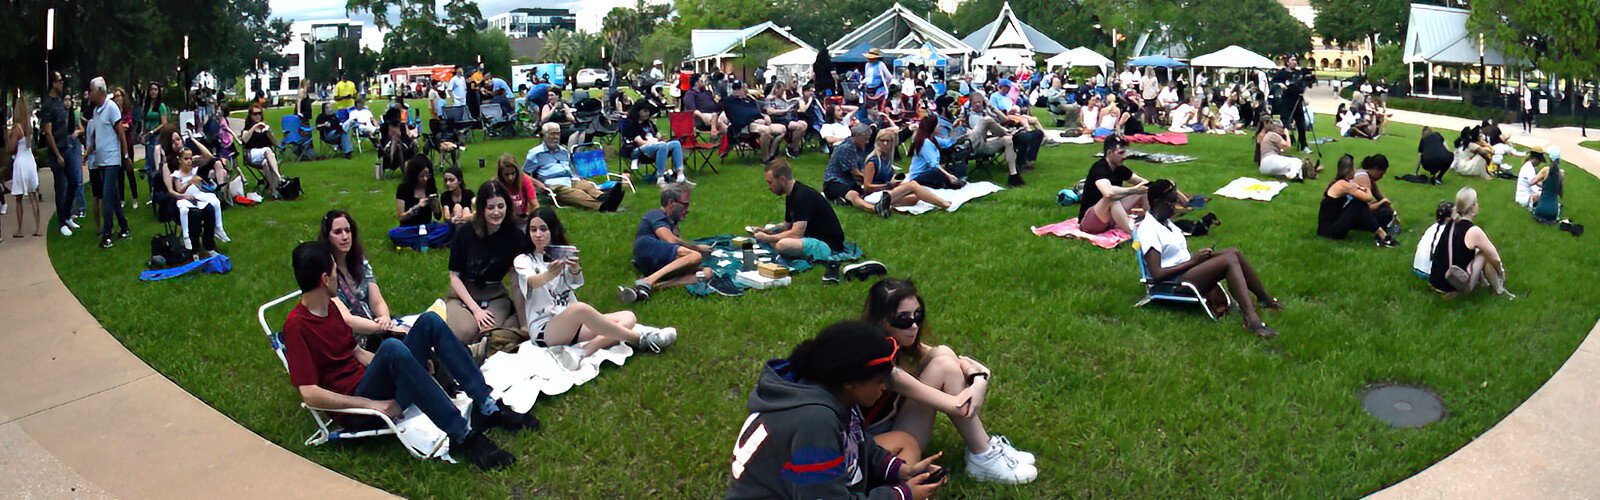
1430 78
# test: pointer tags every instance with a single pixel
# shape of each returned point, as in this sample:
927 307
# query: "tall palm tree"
559 46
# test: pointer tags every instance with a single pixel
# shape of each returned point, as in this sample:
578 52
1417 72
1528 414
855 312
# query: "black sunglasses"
906 320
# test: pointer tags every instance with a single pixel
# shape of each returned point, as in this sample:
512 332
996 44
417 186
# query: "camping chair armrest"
368 412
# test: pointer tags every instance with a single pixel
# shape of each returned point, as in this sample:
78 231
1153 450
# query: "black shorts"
835 191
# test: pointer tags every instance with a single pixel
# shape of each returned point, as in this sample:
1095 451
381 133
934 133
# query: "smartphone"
936 476
558 252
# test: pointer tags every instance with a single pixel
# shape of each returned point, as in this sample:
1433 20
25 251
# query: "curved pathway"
80 416
1548 447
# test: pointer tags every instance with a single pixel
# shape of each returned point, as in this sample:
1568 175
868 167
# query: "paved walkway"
1549 447
80 416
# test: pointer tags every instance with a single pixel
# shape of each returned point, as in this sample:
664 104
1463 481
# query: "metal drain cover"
1403 406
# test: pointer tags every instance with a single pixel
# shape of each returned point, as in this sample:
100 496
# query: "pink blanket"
1169 138
1069 229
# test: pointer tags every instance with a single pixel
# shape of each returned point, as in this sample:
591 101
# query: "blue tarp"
1156 61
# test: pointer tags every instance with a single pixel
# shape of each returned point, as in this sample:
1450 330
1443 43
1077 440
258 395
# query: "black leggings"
203 229
133 184
1437 166
1295 120
1027 144
1356 215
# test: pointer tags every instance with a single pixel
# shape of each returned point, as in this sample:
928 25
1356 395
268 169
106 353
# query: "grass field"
1595 145
1116 401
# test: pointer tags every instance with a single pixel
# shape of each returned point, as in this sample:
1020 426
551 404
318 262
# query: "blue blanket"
216 264
724 242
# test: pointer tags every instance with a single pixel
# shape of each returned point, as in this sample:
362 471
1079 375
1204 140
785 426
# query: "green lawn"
1595 145
1116 401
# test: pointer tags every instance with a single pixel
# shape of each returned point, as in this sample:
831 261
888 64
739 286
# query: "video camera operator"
1290 85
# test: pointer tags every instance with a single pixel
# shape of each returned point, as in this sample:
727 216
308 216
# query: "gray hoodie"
801 442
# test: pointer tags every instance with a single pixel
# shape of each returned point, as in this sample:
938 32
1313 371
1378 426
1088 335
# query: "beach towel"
216 264
726 260
1246 188
419 433
1069 229
517 379
956 197
1168 138
1059 137
1162 158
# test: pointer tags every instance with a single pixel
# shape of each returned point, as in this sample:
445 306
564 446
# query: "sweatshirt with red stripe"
801 442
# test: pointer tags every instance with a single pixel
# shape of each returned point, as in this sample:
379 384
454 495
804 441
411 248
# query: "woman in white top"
552 314
24 171
185 186
1531 178
1166 256
1228 118
1089 118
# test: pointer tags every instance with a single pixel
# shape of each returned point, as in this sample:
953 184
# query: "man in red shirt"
331 372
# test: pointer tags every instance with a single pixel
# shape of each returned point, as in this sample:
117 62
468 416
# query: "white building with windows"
526 22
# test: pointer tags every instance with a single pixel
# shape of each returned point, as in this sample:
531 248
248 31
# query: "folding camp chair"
343 116
494 121
698 152
328 429
460 120
296 138
1172 290
592 121
590 161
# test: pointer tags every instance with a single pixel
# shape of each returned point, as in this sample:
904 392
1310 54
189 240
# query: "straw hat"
874 53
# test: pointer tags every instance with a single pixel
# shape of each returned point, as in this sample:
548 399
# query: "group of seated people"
1101 113
1353 201
1455 255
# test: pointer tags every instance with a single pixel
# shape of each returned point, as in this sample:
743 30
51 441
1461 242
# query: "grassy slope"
1115 401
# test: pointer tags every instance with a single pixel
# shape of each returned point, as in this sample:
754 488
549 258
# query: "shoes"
830 273
188 245
862 271
724 286
66 231
123 235
612 199
105 243
222 236
1305 150
884 206
72 221
635 293
661 181
482 452
1264 331
1005 446
4 209
1386 242
1015 180
504 418
656 339
568 357
1575 229
995 466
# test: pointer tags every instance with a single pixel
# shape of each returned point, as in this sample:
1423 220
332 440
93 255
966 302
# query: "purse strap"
1450 246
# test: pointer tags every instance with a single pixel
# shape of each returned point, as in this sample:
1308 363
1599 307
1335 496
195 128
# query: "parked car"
590 77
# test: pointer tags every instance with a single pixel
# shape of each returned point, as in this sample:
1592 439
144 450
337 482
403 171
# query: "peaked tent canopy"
1233 57
1078 57
1439 35
928 56
1008 32
719 44
858 55
1157 61
1011 58
899 32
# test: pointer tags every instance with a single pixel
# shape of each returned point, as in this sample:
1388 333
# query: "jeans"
663 151
110 199
150 156
397 373
69 179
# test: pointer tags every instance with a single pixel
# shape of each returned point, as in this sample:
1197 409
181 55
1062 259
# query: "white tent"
899 32
1011 58
1078 57
794 65
1233 57
1439 35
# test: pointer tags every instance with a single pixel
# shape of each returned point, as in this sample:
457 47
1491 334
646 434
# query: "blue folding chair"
1172 290
590 160
296 138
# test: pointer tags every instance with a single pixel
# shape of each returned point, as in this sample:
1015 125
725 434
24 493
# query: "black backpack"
166 250
290 188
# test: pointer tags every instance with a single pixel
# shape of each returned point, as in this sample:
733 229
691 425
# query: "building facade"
304 34
527 22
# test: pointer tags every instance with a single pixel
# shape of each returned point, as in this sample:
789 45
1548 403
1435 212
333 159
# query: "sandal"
1263 331
1273 304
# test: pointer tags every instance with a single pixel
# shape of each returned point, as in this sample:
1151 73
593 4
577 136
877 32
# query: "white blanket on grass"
1246 188
518 378
1053 137
419 433
956 197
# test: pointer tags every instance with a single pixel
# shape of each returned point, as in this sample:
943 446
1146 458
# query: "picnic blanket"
517 379
1060 137
1246 188
1069 229
216 264
1169 138
956 197
727 260
1162 158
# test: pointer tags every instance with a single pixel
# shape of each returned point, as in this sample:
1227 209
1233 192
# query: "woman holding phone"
1166 255
547 276
416 205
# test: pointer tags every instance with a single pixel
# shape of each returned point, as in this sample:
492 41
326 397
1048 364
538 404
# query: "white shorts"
258 156
1282 166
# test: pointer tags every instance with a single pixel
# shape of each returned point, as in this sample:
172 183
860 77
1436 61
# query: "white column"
1430 77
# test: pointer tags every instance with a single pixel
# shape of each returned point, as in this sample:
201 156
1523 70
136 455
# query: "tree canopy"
1349 22
1556 36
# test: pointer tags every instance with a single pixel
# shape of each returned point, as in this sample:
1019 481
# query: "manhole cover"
1403 406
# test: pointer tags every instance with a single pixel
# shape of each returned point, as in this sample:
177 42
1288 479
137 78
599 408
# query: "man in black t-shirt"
810 229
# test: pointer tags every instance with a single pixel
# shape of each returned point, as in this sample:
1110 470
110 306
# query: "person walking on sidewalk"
66 154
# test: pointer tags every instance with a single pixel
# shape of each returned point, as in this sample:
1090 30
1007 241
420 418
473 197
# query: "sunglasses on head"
907 320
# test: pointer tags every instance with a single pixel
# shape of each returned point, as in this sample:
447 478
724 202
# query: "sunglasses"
894 350
907 320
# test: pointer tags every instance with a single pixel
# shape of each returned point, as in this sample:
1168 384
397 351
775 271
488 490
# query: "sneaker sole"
987 477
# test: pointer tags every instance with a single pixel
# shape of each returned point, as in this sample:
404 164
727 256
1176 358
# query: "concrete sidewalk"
1549 447
80 416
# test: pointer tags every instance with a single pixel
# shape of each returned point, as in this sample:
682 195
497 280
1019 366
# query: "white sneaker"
66 231
1005 446
661 181
4 209
188 245
997 467
222 236
657 339
72 221
568 357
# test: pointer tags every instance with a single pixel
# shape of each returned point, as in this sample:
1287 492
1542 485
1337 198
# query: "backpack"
166 250
290 188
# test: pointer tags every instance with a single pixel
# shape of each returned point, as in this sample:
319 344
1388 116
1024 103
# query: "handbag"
1454 274
290 188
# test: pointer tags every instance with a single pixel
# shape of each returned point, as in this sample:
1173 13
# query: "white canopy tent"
1079 57
1008 58
794 64
1233 57
899 32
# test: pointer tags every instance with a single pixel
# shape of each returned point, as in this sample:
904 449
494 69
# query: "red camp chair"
699 151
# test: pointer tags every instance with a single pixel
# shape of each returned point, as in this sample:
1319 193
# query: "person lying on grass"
331 372
804 437
480 257
1347 205
810 228
360 300
930 379
547 275
1465 245
659 252
1167 257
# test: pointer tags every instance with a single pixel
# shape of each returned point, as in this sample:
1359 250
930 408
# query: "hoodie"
801 442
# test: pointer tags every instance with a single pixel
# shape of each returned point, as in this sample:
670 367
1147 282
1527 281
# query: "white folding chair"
1172 290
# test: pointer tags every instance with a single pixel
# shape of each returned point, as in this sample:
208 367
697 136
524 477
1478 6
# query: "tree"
1555 36
625 28
665 43
324 64
560 46
1348 22
424 36
755 52
1206 26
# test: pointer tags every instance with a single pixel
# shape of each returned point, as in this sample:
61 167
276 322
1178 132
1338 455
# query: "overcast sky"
299 10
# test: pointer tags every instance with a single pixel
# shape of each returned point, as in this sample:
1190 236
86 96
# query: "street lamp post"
49 40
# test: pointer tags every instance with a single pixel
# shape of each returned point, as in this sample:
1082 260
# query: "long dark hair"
480 218
925 129
460 179
842 353
414 168
558 232
883 302
357 255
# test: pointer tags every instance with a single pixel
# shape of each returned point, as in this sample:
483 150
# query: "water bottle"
480 162
422 233
748 248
